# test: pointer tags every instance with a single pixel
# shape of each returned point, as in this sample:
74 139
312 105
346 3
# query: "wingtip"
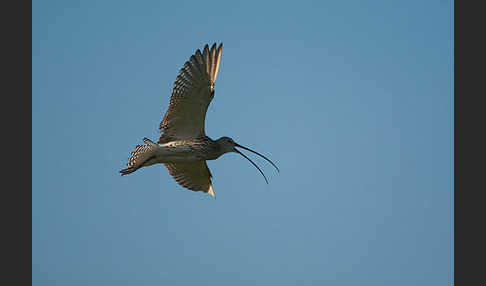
211 191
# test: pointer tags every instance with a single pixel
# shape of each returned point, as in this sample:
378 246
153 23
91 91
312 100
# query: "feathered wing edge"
208 61
194 176
213 59
192 72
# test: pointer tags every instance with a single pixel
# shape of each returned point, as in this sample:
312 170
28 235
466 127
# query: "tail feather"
128 171
141 155
149 142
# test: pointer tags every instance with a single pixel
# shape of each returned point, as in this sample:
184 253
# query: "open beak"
248 149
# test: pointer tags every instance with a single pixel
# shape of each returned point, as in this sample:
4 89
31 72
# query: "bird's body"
184 147
185 151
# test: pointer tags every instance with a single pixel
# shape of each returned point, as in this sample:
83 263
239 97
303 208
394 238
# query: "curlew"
183 146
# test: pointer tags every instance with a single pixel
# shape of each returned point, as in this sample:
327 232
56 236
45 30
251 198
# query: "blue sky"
352 99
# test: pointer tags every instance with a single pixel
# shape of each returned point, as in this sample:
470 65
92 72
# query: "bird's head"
226 144
229 145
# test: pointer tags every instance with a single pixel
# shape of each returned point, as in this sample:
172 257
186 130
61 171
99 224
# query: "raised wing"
191 96
192 175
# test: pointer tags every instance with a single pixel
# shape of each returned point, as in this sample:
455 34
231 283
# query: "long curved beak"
248 149
261 172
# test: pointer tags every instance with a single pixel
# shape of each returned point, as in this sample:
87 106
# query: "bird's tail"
138 158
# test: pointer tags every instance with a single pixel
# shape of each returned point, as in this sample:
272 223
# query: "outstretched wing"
191 96
192 175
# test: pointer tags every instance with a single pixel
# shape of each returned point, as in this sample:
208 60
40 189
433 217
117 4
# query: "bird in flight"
183 146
